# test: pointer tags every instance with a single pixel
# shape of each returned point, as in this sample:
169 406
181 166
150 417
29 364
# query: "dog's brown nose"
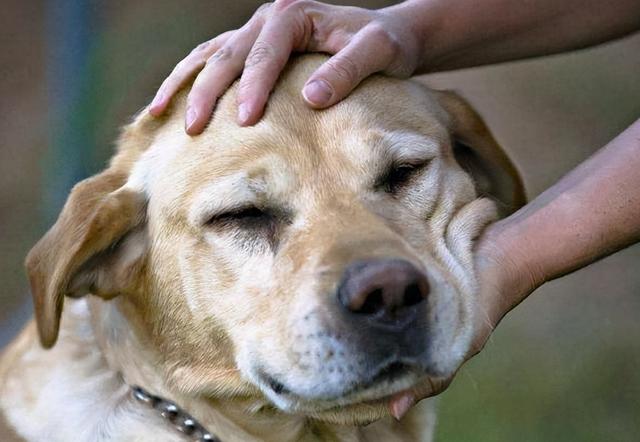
387 291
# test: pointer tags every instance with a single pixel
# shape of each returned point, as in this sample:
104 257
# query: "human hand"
361 41
503 281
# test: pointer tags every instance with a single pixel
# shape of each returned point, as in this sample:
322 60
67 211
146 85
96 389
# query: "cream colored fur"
196 311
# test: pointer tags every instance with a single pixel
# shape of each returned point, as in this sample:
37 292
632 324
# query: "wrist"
505 271
422 19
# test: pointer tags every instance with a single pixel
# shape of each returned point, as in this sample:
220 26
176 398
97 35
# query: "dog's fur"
203 305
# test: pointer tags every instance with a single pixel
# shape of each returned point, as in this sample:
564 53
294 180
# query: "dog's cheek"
455 309
450 325
423 198
203 276
230 288
203 305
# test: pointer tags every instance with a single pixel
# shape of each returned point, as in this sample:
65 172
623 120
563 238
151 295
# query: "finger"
184 70
220 71
266 60
370 50
400 403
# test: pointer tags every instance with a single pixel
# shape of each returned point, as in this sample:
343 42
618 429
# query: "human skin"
590 213
413 37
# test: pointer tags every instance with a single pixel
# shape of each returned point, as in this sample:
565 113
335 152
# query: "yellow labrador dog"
269 283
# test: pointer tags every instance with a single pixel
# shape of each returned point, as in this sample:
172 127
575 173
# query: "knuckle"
281 5
182 64
193 97
202 46
261 53
186 64
263 8
345 69
246 90
197 56
376 30
222 54
393 45
201 93
251 90
380 36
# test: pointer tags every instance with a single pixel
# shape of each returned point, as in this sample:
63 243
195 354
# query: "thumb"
339 75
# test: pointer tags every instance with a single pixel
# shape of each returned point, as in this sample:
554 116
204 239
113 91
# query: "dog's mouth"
386 381
386 375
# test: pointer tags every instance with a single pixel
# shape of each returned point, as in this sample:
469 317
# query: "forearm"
465 33
590 213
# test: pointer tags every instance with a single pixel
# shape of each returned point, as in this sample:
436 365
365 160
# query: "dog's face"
322 258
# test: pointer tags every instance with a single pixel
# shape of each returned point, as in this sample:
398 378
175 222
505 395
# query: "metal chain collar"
180 419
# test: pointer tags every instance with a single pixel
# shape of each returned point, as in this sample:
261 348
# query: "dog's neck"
242 419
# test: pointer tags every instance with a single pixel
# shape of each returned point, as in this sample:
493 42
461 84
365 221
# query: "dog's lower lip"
374 389
389 373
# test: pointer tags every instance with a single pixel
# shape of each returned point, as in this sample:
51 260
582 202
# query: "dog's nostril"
413 295
386 290
373 303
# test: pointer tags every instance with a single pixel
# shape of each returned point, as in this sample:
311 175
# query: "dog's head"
322 258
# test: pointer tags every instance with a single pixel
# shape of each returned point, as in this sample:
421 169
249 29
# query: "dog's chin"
359 414
357 405
358 408
348 400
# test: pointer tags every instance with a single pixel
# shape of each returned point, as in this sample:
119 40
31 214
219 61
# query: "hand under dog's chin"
355 407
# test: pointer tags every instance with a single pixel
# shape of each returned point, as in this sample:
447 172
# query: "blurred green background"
564 366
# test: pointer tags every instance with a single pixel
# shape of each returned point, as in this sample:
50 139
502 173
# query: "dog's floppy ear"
96 245
477 151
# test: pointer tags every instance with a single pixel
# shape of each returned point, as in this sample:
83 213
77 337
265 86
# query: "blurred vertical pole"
71 30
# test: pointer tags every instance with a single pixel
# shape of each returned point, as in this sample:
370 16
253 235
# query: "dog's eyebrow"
408 147
258 183
225 193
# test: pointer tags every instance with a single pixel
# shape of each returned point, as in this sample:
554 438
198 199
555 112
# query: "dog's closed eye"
399 175
251 226
249 217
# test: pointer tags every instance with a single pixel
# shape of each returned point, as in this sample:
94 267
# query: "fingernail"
191 117
317 92
401 404
243 113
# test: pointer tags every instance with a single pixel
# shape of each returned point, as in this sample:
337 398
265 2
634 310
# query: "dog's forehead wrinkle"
369 153
263 182
224 193
406 146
